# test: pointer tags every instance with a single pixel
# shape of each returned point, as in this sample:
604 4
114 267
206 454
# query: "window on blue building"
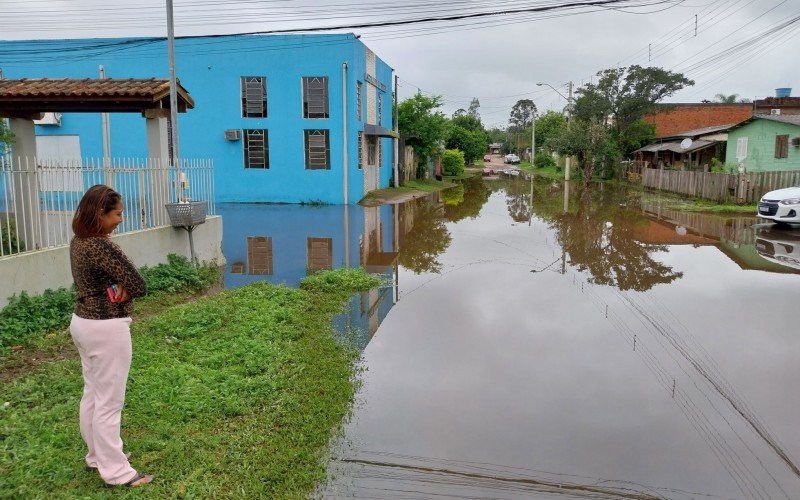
318 149
359 88
360 149
315 97
256 148
379 122
254 96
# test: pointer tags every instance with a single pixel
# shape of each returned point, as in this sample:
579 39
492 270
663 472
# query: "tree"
471 143
729 99
459 112
626 95
6 136
522 114
592 144
549 125
467 122
473 108
420 120
426 240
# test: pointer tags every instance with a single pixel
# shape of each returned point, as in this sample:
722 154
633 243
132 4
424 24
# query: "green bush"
452 162
27 317
544 160
178 275
8 234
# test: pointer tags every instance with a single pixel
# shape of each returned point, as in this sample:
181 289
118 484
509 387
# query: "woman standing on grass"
106 282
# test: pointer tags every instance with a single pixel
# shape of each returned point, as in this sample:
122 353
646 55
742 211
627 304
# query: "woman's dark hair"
97 201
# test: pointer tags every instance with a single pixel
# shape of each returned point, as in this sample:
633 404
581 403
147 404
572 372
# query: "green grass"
549 172
27 319
677 202
236 395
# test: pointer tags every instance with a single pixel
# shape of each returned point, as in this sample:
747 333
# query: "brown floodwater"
544 341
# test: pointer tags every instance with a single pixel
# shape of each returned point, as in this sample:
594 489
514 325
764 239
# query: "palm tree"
729 99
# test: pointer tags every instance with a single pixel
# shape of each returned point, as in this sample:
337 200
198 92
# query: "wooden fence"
740 188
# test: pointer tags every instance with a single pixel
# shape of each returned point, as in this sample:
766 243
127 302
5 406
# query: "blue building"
290 118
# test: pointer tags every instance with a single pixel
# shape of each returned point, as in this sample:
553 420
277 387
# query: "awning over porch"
29 97
675 147
378 131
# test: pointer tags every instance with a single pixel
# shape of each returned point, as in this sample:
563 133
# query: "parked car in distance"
781 206
487 158
511 158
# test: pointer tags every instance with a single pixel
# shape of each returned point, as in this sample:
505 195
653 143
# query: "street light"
569 117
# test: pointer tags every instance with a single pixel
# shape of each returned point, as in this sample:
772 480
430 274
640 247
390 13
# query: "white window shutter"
741 148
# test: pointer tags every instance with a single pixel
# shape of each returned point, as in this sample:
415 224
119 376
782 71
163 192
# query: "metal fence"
38 197
742 188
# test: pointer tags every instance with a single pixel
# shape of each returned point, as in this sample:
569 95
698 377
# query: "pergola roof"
28 97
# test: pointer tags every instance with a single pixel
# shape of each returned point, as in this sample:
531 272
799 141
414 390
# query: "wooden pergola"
27 98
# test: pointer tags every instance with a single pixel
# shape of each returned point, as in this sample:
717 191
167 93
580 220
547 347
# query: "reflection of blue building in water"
283 244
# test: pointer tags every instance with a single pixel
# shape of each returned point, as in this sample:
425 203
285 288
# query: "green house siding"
761 135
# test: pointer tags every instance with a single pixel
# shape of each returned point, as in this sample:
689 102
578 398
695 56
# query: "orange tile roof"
89 89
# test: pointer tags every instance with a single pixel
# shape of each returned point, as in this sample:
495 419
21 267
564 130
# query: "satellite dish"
686 143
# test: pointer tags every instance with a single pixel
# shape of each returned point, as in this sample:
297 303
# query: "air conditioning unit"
53 119
796 141
775 111
233 135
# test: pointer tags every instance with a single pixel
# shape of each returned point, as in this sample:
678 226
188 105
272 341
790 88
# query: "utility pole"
569 122
173 100
695 25
397 137
109 179
533 139
649 53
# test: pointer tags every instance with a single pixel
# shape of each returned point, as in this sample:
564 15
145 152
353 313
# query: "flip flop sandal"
130 484
89 468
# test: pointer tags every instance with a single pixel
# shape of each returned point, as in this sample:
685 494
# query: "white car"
781 206
511 158
780 247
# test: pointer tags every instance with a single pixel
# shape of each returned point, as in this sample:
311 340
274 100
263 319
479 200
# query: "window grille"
319 254
781 146
315 97
359 86
256 148
380 109
318 149
259 255
372 150
360 149
254 96
379 152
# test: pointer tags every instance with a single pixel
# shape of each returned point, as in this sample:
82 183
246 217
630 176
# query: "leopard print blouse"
97 263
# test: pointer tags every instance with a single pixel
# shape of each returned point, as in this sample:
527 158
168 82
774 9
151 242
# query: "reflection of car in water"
779 246
781 206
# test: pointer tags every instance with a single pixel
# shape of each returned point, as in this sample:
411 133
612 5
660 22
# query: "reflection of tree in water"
476 193
597 233
518 199
427 238
453 196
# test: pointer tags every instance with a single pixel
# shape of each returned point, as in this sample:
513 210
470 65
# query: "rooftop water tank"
783 92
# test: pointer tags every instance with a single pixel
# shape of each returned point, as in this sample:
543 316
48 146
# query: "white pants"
105 349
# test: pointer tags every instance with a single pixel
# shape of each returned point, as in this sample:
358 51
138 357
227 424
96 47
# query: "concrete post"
158 153
27 212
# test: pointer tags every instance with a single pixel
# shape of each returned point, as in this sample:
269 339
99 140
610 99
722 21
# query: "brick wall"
682 117
787 105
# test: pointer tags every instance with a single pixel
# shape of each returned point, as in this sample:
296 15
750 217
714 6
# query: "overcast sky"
497 59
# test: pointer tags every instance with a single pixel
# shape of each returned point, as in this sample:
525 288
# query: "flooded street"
539 341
